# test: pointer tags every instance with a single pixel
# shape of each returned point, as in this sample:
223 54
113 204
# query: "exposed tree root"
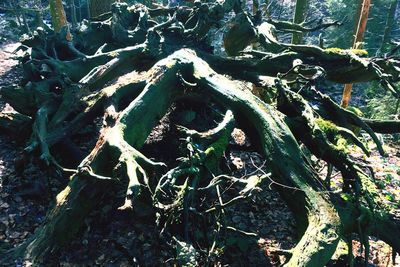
322 217
329 110
64 91
16 124
385 127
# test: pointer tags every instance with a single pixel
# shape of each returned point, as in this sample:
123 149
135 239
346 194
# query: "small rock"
239 137
237 162
101 258
4 205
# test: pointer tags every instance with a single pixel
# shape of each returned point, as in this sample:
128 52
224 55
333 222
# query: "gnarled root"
300 187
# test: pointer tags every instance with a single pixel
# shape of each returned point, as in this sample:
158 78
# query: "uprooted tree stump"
161 56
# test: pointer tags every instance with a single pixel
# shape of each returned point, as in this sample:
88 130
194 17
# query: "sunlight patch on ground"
6 54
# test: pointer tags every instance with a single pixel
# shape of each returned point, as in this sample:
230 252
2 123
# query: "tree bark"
299 16
131 130
65 92
357 42
58 17
388 27
14 6
79 11
98 7
39 13
72 8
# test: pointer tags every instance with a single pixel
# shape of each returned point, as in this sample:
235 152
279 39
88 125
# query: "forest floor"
27 189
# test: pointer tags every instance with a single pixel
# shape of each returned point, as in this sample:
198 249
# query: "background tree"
359 31
390 23
98 7
72 8
39 13
299 16
58 17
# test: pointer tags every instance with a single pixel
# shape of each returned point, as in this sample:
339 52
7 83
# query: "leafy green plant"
381 105
390 197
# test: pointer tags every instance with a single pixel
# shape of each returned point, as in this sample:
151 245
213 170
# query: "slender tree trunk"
39 13
19 12
58 17
389 26
357 41
362 23
98 7
299 15
26 24
265 8
14 6
88 10
72 9
79 11
256 6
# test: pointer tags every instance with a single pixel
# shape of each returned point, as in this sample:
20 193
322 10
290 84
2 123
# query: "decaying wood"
133 65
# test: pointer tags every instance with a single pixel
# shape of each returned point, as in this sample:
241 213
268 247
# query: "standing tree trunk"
58 17
299 15
14 7
88 10
98 7
79 11
19 11
256 6
26 25
357 41
22 12
389 26
265 8
39 13
72 9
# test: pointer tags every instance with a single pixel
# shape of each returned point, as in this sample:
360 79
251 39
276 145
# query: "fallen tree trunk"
384 127
340 69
